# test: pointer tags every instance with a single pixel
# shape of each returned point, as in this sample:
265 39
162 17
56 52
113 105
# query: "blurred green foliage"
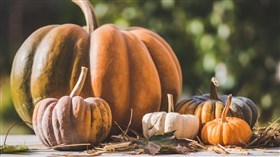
238 42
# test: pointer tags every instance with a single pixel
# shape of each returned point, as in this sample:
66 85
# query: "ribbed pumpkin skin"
133 68
226 130
157 123
206 110
208 107
47 65
72 121
241 107
232 132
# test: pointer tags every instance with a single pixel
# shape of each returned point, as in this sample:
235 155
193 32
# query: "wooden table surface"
39 150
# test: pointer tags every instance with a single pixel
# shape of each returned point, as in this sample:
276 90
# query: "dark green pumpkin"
208 107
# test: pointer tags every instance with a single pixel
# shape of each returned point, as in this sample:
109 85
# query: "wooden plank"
37 149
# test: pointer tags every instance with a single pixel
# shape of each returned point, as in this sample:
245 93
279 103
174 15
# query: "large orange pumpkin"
129 68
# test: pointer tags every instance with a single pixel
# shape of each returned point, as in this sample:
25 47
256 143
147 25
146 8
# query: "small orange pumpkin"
72 119
226 130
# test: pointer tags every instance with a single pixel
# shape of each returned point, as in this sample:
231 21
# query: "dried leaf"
165 136
151 148
182 149
115 146
165 143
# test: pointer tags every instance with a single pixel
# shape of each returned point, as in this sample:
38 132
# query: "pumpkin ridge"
91 107
62 120
65 123
56 125
239 113
71 120
54 46
145 44
253 108
236 129
207 115
192 107
156 48
47 129
141 69
50 105
96 122
211 109
88 122
39 112
20 75
218 109
213 139
220 129
179 105
210 138
245 109
242 123
77 110
129 94
170 51
227 129
80 59
109 65
184 107
105 118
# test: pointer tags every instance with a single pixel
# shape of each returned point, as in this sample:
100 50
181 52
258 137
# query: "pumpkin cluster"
208 107
131 68
226 130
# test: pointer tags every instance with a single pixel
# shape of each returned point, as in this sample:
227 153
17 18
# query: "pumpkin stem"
225 110
89 14
213 89
80 83
170 103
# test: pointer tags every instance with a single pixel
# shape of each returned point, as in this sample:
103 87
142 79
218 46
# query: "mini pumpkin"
129 68
226 130
186 126
72 119
207 107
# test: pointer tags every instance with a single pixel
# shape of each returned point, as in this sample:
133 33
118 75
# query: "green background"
238 42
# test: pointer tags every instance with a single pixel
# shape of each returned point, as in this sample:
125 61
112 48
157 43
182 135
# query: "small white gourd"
186 126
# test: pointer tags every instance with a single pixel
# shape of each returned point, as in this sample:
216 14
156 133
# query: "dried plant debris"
8 149
263 137
166 143
72 147
266 136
